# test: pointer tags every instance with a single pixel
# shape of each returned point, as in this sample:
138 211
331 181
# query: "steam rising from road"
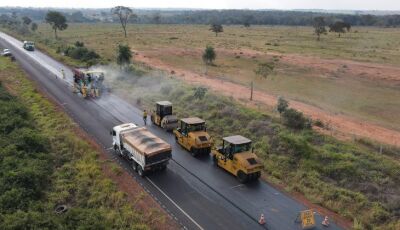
134 83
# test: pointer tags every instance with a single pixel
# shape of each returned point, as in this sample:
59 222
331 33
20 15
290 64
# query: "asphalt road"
193 191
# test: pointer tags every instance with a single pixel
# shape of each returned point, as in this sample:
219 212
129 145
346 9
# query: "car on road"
6 53
29 45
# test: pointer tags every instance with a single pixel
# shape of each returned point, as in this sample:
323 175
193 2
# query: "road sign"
307 219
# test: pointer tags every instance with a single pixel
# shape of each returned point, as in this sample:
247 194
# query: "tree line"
226 17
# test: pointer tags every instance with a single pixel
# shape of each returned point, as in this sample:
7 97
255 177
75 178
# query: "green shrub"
80 52
199 92
282 105
295 119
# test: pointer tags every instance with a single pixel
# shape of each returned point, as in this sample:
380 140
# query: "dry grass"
239 50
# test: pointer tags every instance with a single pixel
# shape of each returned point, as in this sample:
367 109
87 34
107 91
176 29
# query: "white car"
6 53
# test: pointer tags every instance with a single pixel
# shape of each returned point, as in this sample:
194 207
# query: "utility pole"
251 91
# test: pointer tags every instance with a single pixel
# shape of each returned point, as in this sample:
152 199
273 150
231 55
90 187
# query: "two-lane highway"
195 192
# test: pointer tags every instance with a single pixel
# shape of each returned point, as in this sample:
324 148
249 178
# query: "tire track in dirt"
341 126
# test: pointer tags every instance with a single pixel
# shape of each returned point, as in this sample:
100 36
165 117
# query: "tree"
123 13
26 20
157 18
319 26
337 27
124 55
264 69
57 21
77 16
368 20
34 26
216 28
209 55
247 20
347 26
199 92
282 105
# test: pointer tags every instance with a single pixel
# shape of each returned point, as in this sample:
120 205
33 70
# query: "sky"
215 4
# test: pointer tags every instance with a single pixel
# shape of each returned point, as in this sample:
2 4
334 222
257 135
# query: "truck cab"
236 156
192 135
163 116
116 133
28 45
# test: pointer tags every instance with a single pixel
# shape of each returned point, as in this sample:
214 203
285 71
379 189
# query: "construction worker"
62 73
145 117
325 222
84 90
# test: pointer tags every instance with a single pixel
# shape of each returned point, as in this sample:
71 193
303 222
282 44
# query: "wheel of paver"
258 175
134 166
176 138
192 152
215 160
140 171
242 177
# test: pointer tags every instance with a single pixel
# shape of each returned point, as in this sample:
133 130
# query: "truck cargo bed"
144 142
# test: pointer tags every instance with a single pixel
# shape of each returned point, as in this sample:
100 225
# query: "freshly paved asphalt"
193 191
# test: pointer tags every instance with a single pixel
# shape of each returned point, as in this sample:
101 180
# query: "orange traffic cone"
325 222
262 219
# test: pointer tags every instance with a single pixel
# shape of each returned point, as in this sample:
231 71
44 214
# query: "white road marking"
236 186
176 205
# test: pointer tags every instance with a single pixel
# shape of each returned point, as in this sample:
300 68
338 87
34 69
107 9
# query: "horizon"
290 5
199 9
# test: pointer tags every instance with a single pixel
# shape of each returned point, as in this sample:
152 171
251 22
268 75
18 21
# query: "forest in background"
226 17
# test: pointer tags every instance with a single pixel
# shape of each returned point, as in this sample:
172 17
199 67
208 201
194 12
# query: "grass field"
338 87
368 44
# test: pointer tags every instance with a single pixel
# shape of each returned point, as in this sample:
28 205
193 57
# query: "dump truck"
28 45
192 135
163 116
238 158
88 83
144 151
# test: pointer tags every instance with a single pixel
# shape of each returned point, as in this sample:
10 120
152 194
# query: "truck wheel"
134 166
242 177
119 152
140 171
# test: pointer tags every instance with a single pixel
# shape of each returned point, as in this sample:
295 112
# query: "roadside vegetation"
350 178
45 162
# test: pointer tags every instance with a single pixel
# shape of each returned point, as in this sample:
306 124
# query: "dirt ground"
341 126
